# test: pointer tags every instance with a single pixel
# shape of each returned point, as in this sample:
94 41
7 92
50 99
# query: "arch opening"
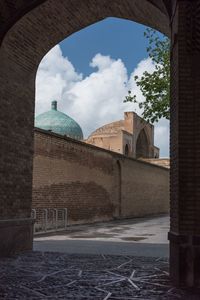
126 150
142 147
121 135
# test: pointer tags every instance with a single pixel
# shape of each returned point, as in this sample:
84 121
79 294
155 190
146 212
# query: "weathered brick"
94 184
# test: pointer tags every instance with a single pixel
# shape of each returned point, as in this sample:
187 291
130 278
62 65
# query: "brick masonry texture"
94 184
32 33
185 159
29 30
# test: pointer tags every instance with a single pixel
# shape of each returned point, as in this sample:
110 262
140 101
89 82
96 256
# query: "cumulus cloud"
162 137
96 99
55 74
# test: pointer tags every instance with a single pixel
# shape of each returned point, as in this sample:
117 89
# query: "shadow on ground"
102 247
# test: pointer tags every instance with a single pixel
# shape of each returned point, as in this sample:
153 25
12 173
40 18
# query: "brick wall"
164 162
28 30
94 184
144 188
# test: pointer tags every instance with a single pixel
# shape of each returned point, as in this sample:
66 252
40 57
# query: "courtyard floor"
118 260
40 276
139 236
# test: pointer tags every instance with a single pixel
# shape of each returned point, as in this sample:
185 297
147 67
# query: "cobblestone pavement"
39 275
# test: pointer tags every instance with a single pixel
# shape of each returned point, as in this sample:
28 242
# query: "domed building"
133 137
78 183
58 122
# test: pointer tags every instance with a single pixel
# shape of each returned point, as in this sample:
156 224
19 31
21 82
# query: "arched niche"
126 150
142 145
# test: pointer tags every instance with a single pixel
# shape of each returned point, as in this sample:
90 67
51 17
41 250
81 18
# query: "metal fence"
49 219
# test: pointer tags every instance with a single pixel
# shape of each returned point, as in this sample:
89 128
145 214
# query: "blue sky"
90 72
115 37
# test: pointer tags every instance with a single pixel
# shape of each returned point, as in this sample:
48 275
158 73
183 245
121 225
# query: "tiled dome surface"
59 123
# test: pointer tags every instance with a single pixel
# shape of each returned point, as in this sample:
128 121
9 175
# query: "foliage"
155 86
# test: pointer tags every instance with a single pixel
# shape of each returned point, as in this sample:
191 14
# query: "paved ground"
42 276
128 276
141 236
98 247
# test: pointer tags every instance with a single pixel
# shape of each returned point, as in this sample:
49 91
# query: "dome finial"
59 123
54 105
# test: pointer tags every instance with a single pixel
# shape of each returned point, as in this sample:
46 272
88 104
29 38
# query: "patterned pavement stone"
47 275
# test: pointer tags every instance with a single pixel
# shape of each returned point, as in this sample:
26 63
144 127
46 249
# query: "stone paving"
152 230
136 237
43 275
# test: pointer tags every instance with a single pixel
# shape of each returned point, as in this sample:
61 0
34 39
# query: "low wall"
95 184
163 162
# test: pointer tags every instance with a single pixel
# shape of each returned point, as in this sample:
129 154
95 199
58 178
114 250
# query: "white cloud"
102 62
94 100
55 75
162 137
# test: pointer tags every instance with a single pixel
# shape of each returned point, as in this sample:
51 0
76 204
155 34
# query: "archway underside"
24 44
11 13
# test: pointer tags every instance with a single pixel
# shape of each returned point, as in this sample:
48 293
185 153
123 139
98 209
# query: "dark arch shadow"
142 145
126 152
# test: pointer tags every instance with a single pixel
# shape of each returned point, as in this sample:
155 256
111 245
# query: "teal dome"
58 122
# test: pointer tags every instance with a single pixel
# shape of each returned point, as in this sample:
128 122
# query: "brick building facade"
132 137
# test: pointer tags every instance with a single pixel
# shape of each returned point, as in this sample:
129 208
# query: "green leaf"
155 87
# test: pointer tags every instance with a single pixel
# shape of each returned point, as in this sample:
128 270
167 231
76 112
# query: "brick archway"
142 146
29 29
38 29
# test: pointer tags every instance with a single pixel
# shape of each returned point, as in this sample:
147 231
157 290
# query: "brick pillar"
16 151
184 233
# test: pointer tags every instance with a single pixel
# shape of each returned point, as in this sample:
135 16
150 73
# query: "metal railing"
49 219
